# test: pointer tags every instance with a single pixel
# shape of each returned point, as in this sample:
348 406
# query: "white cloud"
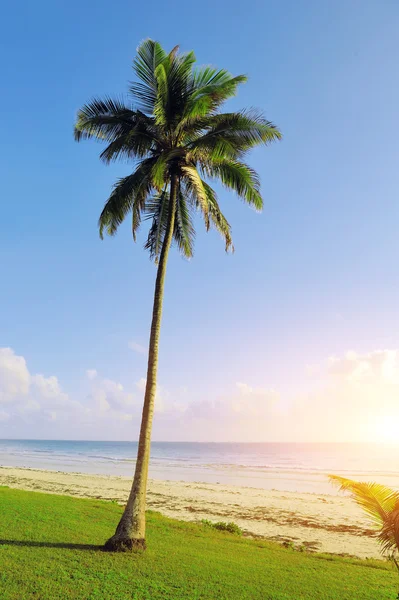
356 399
27 406
380 364
137 347
351 397
34 401
246 414
254 401
48 389
97 401
111 394
14 376
29 396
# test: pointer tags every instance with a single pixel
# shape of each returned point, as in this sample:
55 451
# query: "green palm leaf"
149 55
230 134
129 194
104 119
380 503
184 229
196 188
210 89
157 210
217 218
238 177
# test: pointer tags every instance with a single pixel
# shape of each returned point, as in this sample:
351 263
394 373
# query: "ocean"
280 466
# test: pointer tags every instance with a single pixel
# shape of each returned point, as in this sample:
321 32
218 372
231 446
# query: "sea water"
282 466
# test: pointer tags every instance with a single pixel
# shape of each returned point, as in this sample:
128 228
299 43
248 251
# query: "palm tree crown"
172 128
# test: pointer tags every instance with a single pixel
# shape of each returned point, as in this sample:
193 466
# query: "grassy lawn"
49 550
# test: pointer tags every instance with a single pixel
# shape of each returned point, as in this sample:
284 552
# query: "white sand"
330 523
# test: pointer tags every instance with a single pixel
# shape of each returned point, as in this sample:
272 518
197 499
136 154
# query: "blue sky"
314 276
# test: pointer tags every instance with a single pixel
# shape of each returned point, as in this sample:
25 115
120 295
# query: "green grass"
49 549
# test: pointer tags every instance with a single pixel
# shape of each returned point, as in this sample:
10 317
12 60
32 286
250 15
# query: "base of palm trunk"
118 543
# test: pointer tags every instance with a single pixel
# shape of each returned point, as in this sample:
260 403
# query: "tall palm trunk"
130 532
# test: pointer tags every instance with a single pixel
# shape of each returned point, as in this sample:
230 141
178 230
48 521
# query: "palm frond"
380 503
184 233
210 88
159 170
238 177
150 54
162 96
129 193
250 124
230 134
141 138
173 88
210 210
217 218
134 144
104 119
389 534
208 78
195 187
157 209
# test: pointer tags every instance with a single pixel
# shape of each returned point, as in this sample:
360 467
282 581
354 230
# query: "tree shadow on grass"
64 545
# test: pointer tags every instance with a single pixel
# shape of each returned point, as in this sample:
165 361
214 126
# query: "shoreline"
321 522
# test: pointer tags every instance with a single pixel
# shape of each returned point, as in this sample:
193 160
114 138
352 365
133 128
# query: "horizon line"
198 442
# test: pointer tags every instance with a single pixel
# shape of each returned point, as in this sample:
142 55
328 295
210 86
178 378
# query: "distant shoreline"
325 523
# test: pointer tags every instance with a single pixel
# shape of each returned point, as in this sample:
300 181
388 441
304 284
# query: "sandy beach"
324 523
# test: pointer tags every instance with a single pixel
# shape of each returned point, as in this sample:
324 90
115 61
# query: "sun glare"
386 429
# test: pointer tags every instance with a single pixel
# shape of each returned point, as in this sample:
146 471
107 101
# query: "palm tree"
381 504
172 129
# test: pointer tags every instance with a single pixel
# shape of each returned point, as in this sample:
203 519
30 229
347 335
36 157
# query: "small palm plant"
172 131
381 504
